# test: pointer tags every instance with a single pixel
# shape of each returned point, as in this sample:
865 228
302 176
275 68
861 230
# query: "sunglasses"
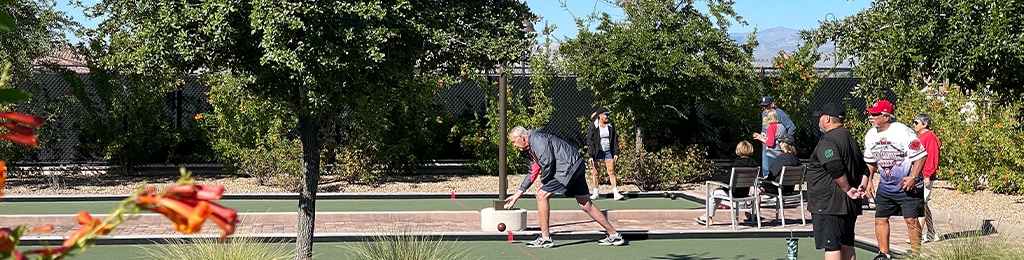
876 114
918 123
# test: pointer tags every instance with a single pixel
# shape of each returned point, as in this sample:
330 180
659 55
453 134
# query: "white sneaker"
595 195
924 239
612 240
617 195
544 242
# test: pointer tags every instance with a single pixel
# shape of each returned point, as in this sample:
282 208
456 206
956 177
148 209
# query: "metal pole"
502 138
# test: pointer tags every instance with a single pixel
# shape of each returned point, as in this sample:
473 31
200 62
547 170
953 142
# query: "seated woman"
787 158
744 150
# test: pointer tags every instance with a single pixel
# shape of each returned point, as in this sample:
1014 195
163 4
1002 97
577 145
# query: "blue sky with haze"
793 14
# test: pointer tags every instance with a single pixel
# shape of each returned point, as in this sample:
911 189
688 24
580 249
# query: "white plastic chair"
790 176
740 177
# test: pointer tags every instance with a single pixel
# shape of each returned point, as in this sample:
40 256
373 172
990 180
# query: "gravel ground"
983 204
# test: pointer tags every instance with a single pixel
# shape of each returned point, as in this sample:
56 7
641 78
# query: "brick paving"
154 226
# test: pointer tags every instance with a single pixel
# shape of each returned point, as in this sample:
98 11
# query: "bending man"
560 169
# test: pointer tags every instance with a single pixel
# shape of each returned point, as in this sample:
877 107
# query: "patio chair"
740 177
790 176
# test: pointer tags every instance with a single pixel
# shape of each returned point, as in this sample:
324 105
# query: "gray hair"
892 118
517 132
924 118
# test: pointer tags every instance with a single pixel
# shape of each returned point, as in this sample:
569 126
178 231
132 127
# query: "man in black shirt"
835 170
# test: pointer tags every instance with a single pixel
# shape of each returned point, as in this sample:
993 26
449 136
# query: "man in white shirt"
892 148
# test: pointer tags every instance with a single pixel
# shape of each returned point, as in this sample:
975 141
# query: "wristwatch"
918 179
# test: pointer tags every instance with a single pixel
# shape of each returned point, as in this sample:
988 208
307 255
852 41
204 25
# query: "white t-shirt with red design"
894 152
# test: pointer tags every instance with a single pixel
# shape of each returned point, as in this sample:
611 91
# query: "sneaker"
882 256
618 196
924 239
750 217
700 221
595 194
612 240
544 242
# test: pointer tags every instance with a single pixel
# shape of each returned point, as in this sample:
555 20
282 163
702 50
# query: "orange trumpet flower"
188 206
6 242
18 128
3 178
201 192
88 225
225 218
22 118
187 219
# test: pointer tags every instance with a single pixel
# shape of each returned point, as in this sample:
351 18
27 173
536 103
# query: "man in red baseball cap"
880 107
893 150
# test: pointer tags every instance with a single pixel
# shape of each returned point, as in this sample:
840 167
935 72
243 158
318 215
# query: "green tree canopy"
39 28
316 57
972 44
664 54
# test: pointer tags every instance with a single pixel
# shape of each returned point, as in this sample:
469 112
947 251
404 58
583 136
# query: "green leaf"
6 22
13 95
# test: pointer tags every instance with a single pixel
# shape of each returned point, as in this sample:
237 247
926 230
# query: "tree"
972 44
663 55
318 58
31 30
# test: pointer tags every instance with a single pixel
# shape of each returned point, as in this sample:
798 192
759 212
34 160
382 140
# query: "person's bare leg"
833 254
587 206
849 252
597 175
914 229
610 166
544 211
882 234
927 223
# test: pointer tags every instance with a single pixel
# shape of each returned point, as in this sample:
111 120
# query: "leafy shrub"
237 248
386 136
274 163
981 136
665 168
395 130
251 134
480 136
793 82
123 119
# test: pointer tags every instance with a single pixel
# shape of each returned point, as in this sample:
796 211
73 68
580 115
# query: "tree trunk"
309 131
639 146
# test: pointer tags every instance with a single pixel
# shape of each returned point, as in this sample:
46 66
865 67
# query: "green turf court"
102 207
703 249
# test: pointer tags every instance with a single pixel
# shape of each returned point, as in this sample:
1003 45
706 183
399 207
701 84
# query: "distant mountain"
772 40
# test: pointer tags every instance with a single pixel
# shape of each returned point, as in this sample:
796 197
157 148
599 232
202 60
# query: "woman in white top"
603 145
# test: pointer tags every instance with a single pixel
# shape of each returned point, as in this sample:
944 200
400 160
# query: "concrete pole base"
514 219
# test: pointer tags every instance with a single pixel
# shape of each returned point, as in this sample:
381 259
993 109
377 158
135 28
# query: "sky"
793 14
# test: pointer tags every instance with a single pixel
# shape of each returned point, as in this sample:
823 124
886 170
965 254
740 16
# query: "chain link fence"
463 100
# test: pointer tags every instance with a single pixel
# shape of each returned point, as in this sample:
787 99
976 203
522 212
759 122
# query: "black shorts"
831 232
577 185
908 206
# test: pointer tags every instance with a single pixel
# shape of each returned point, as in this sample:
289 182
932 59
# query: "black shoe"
882 256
